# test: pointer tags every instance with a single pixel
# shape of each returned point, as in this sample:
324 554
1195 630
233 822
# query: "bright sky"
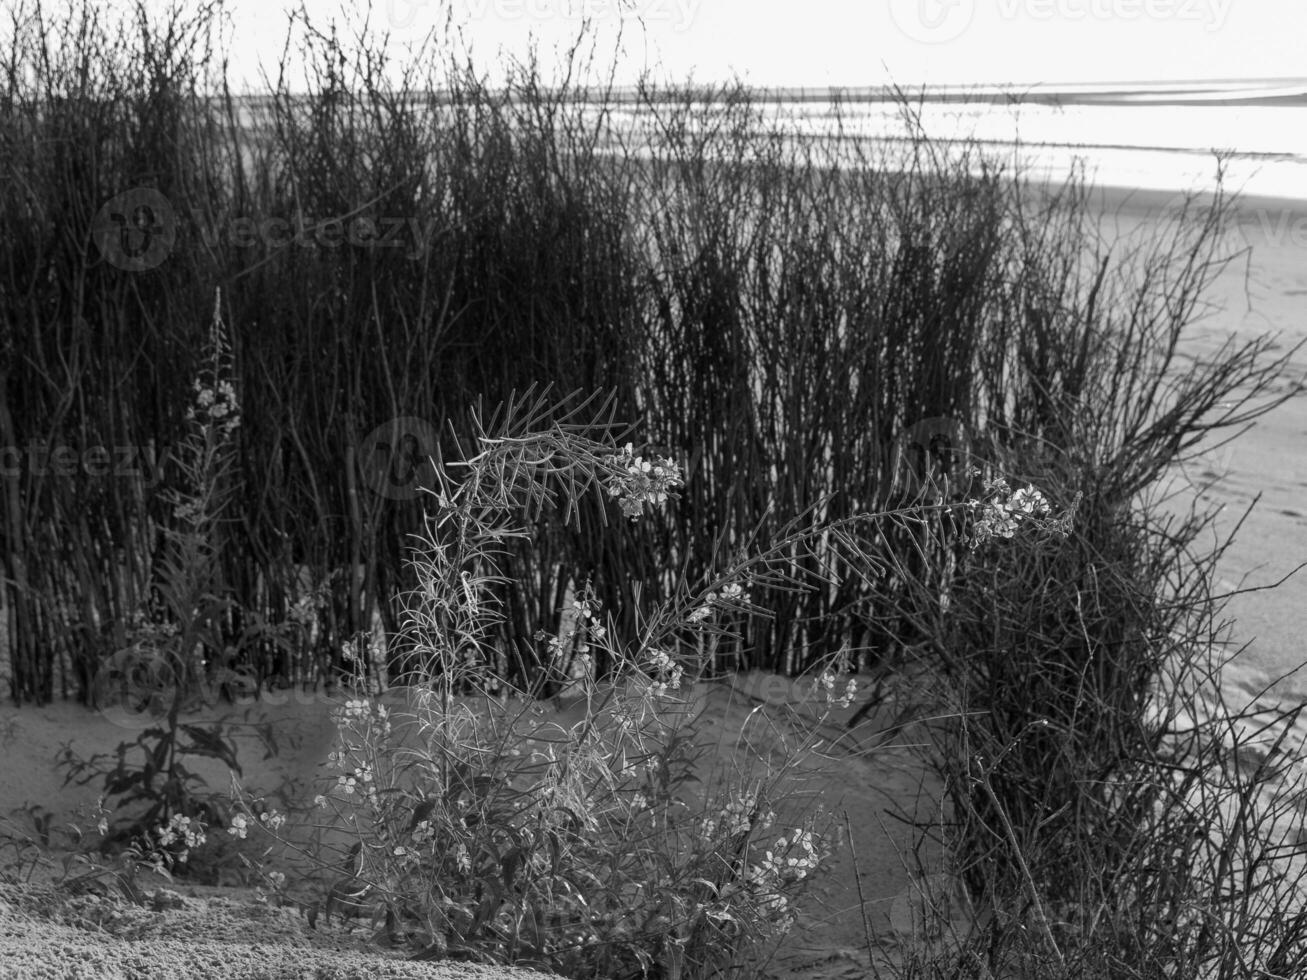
849 42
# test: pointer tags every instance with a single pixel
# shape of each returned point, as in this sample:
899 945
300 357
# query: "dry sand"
863 778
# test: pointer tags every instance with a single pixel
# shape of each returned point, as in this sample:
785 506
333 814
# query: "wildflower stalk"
169 652
191 577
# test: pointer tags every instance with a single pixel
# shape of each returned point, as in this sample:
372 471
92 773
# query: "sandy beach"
1262 289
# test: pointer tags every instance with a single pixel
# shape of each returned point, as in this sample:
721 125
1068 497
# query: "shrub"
472 826
1106 807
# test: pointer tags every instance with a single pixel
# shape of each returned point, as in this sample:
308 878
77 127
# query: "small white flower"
850 692
1028 500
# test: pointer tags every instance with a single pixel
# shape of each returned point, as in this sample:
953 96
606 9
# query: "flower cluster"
664 666
181 830
571 650
303 611
364 725
240 824
361 779
276 880
423 832
781 864
731 595
213 417
790 860
353 650
1003 510
361 714
637 481
738 816
584 612
215 407
828 680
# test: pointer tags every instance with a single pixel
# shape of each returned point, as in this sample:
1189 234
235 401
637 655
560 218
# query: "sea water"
1159 136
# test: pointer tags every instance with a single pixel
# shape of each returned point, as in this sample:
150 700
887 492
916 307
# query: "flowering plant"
639 482
163 670
479 827
1002 511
